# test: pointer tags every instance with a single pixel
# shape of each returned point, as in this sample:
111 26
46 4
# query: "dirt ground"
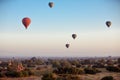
83 77
23 78
100 75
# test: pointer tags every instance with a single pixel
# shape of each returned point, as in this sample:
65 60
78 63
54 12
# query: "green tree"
107 78
56 63
2 74
91 70
119 60
49 76
25 73
14 74
113 69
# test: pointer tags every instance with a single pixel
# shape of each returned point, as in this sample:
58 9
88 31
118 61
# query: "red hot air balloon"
26 22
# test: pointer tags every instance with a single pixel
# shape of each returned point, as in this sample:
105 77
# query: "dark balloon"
26 22
74 36
51 4
67 45
108 23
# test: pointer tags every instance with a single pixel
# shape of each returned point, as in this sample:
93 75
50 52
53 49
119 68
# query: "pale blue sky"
51 28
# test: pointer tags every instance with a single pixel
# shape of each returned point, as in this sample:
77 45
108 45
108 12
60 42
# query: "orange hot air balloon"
26 22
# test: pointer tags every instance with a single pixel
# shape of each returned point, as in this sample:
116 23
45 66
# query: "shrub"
14 74
113 69
18 74
25 73
10 74
2 74
31 73
81 71
107 78
48 76
91 70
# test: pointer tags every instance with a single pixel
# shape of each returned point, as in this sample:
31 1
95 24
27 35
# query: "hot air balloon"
108 23
26 22
51 4
67 45
74 36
